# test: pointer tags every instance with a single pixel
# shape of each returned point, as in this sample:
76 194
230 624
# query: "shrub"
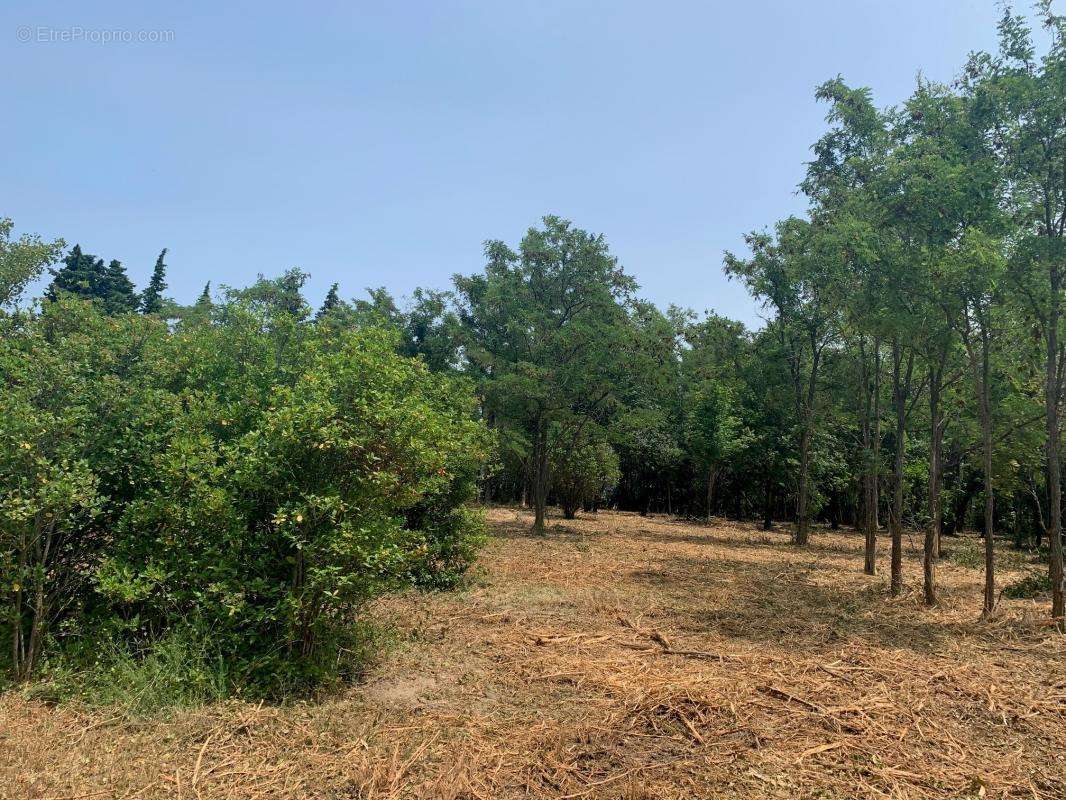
1034 584
584 468
247 469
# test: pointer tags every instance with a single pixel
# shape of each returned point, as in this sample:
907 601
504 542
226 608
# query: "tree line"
911 366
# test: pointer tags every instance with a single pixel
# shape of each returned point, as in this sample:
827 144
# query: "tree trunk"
767 507
931 549
712 476
1054 468
802 537
805 414
986 435
871 443
540 473
901 381
982 373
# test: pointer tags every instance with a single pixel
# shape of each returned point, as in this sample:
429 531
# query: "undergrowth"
969 553
1035 584
190 667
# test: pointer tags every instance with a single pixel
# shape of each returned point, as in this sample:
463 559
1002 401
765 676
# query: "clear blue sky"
381 143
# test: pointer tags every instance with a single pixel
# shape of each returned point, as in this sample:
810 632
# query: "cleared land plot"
623 657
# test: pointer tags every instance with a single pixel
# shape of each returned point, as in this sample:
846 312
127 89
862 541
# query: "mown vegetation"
236 477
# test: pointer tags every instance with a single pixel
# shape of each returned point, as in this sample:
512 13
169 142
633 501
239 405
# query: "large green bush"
246 472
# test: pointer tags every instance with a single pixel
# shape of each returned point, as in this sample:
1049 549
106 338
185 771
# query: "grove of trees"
252 471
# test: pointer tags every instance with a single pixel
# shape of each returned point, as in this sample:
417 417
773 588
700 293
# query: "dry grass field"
621 657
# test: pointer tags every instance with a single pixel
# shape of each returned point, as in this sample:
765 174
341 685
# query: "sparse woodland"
216 492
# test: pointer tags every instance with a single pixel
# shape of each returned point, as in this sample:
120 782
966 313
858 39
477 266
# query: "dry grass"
622 657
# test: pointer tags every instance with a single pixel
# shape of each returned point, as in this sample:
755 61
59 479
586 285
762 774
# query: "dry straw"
622 657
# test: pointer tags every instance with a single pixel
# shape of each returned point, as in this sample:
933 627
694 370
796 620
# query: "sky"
380 144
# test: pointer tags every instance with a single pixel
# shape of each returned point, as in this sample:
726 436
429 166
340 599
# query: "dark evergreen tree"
331 302
204 300
86 276
116 292
152 299
81 274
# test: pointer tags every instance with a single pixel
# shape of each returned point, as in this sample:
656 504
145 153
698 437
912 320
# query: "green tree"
86 276
540 329
152 297
22 261
794 274
584 470
1027 95
711 433
81 274
848 160
331 302
117 294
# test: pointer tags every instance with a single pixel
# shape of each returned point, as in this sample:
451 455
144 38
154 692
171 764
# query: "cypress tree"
331 302
152 299
204 300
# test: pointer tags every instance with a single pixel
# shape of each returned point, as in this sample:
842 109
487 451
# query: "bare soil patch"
622 657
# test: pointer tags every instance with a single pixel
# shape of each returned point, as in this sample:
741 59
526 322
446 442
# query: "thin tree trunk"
802 537
42 552
806 415
767 508
901 381
931 549
986 435
17 642
1054 468
877 441
540 473
871 442
712 476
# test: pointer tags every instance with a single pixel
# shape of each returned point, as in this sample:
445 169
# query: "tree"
22 261
978 274
152 297
331 302
253 480
86 276
542 331
792 274
276 295
582 471
711 432
848 160
117 294
940 182
1028 98
81 274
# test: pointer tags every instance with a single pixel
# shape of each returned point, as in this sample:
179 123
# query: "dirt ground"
622 657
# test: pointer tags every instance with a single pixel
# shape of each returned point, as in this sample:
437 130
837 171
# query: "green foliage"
152 297
22 261
258 473
330 304
711 425
543 328
584 467
1036 584
86 276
